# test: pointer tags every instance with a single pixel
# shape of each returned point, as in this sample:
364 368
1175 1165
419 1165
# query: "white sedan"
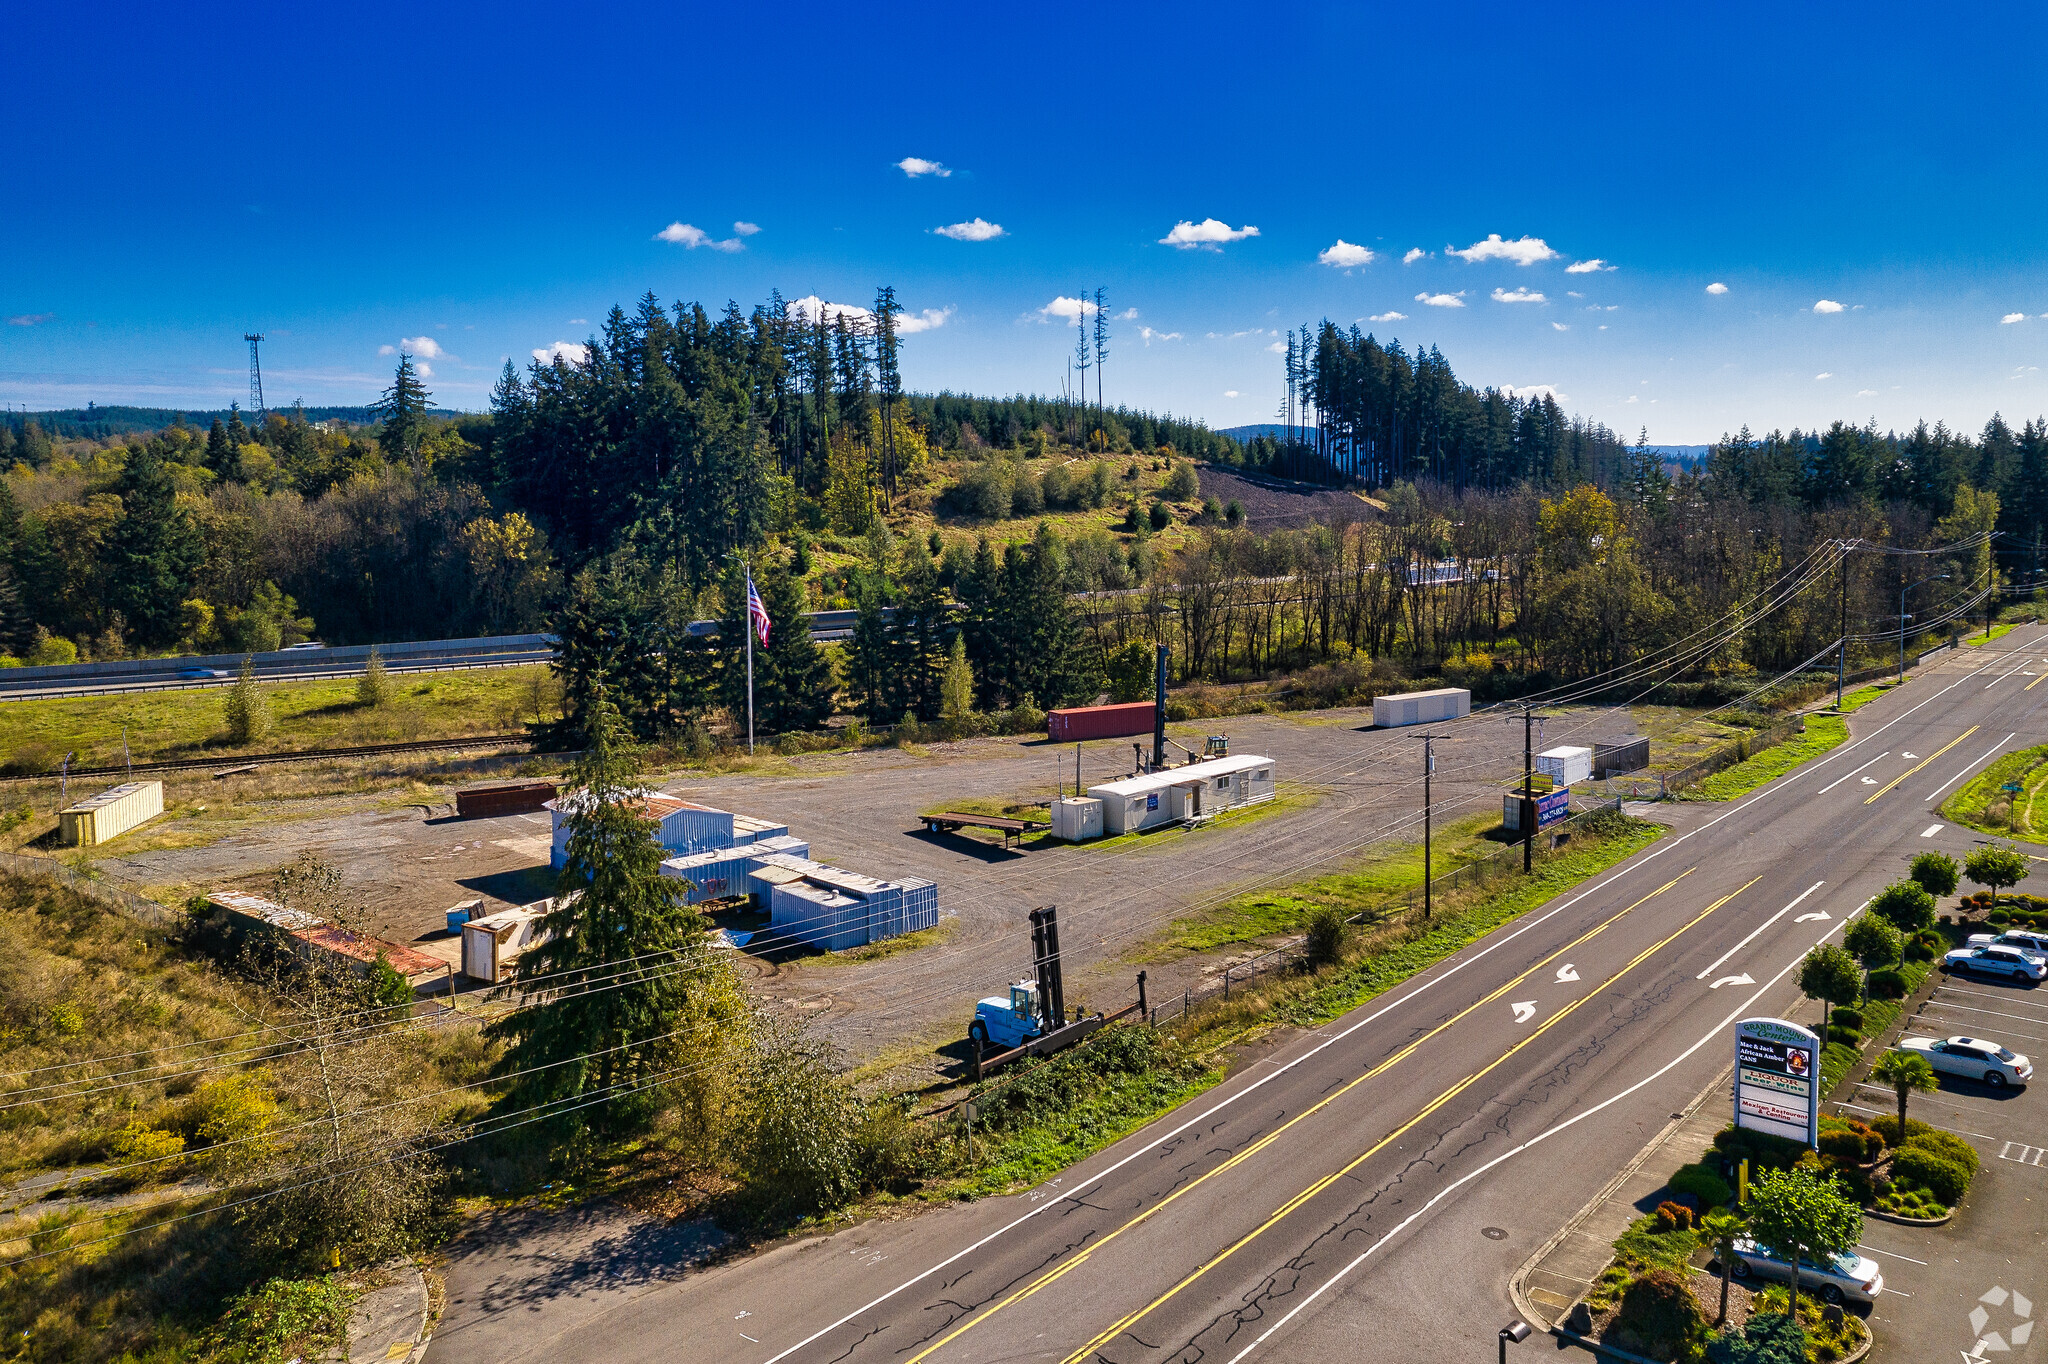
1972 1058
1846 1276
2011 962
2033 940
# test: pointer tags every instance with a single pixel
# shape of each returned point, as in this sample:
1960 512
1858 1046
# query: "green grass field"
168 725
1823 732
1982 803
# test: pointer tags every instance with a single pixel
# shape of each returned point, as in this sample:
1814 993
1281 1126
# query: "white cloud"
1278 348
2013 317
1559 327
1066 309
1388 316
1522 250
1573 293
1344 255
909 324
973 230
568 351
1866 393
1456 300
1209 234
1717 288
424 370
746 229
1536 391
1518 296
1415 253
387 350
426 347
1827 305
1603 326
30 319
1633 398
579 321
682 234
811 308
1150 336
1127 315
1230 393
1824 374
914 166
1589 267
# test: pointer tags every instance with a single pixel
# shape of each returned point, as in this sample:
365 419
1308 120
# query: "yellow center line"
1439 1101
1262 1143
1922 763
2036 682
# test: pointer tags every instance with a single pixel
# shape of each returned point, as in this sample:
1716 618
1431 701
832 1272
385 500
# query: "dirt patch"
1278 504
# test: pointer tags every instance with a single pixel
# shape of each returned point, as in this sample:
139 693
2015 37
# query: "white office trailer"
109 814
1076 819
1567 766
1421 707
1178 794
492 945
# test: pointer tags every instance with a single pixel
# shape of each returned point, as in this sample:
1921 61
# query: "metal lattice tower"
255 374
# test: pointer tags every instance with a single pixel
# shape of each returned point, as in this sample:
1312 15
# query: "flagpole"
750 660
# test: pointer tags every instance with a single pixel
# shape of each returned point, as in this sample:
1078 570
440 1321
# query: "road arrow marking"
1524 1012
1870 781
1742 979
1909 755
1567 972
1809 918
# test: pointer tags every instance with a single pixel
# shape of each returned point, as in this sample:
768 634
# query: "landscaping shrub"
1887 984
1948 1180
1325 936
1673 1216
1947 1145
1702 1183
1767 1338
1998 918
1659 1316
1761 1149
1847 1018
1849 1140
1848 1037
1888 1128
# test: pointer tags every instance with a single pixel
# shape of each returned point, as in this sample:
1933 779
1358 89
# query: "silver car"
2026 939
1972 1058
1846 1276
2011 962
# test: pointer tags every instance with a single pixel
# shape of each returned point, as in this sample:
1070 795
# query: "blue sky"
484 177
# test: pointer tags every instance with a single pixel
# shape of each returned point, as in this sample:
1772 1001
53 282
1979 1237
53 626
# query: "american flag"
757 614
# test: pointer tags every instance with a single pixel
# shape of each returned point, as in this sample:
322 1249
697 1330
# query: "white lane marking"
1972 767
1893 1112
1948 1101
1743 979
1525 1011
1891 1255
2002 1032
1995 1013
1909 756
1567 973
1931 830
1846 775
2002 996
1718 1033
2026 1155
1760 928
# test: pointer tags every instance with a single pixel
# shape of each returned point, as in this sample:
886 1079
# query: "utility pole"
1529 719
1842 646
1428 769
255 375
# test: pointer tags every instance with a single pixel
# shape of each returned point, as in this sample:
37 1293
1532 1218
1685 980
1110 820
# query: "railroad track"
301 756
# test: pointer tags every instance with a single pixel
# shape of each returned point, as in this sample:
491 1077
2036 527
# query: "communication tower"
255 375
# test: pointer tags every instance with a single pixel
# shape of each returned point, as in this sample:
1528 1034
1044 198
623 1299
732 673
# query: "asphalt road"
1363 1191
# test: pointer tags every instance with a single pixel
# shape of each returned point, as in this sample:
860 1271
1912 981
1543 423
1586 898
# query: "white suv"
2014 962
1973 1058
2026 939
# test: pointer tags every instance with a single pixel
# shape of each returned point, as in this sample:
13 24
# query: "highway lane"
1379 1179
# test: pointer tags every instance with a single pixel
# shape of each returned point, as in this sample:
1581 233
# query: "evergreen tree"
152 555
222 457
889 382
614 918
866 662
919 634
1101 345
238 434
403 410
792 677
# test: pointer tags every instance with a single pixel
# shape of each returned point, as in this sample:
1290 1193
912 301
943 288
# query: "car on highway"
201 674
2011 962
1973 1058
1845 1276
2026 939
309 644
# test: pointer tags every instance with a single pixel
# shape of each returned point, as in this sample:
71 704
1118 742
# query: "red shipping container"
509 798
1099 722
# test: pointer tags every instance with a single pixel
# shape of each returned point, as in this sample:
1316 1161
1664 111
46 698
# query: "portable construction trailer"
1177 794
1623 755
109 814
1075 723
1566 765
1076 819
1421 707
492 945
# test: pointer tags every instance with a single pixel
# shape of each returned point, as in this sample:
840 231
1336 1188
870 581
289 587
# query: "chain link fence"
137 907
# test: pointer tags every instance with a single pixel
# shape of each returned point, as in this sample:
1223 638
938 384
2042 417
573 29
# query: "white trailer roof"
1146 783
1565 751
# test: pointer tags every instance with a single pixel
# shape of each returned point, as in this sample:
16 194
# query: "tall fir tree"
792 677
153 553
403 411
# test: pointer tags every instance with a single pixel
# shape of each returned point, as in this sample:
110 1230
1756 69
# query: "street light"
1517 1331
1939 577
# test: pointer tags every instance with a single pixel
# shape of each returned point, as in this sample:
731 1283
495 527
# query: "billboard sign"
1552 807
1777 1079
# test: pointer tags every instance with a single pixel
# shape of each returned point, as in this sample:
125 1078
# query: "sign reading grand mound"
1777 1079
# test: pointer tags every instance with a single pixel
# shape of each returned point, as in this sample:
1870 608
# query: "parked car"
1973 1058
309 644
201 674
1846 1276
2026 939
2011 962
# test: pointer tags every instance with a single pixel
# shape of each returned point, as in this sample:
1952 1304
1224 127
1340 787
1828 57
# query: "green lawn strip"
1387 870
1861 697
1972 801
164 725
1823 732
2001 628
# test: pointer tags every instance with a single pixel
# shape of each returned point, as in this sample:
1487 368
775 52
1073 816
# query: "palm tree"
1720 1228
1904 1071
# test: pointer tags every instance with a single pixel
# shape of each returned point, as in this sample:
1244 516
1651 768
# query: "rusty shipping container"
1099 722
504 798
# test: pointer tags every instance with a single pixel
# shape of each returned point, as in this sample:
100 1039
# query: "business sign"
1152 801
1777 1079
1552 807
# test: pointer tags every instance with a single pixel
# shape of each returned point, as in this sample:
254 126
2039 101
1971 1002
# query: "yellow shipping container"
110 813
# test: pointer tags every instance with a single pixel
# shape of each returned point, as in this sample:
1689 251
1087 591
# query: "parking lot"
1975 1287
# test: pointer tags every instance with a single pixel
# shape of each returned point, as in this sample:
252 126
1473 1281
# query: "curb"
1898 1221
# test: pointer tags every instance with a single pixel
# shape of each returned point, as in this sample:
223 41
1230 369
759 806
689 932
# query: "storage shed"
802 912
1075 723
1421 707
1076 819
1151 799
1623 755
245 913
1566 765
109 814
492 945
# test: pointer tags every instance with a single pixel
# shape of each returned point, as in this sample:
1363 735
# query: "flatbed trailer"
950 821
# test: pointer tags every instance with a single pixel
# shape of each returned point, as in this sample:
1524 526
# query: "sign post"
1777 1079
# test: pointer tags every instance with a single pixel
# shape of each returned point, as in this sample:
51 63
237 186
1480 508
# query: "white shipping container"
110 814
1566 766
492 945
1421 707
1076 819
